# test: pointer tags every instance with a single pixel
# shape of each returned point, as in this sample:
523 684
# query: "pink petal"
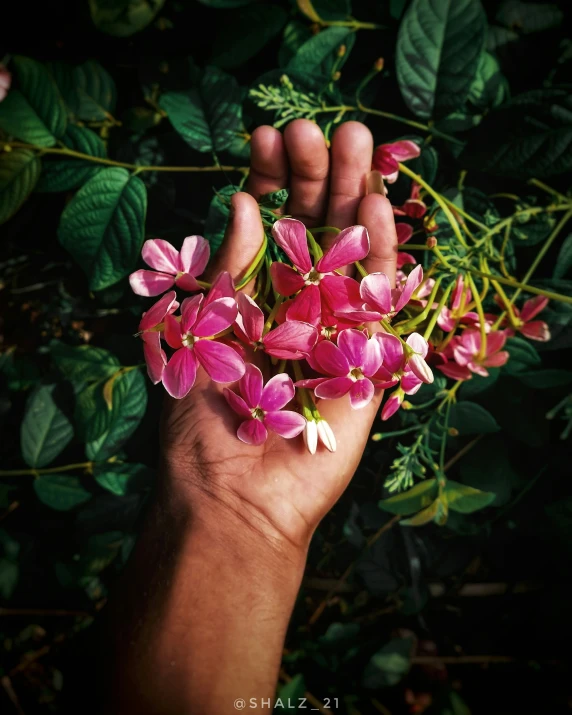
445 320
361 394
237 403
353 344
471 341
457 294
221 362
339 294
251 386
405 259
403 150
414 208
497 360
278 391
536 330
392 405
154 356
285 279
307 306
478 369
333 389
418 343
187 282
410 383
391 351
454 371
189 311
195 254
216 317
172 332
250 318
384 162
495 341
161 256
157 312
420 369
462 355
150 283
287 424
375 291
290 235
404 232
292 340
222 287
414 280
180 373
311 383
352 244
533 307
252 432
330 359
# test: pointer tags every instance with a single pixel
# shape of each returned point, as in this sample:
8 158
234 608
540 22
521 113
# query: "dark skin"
201 615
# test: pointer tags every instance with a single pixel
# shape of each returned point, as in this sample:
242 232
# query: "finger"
376 214
242 240
352 150
309 165
268 163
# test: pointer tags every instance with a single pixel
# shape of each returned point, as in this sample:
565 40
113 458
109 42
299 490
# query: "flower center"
188 340
257 413
313 277
355 374
328 330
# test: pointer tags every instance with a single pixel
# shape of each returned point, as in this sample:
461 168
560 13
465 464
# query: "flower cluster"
328 334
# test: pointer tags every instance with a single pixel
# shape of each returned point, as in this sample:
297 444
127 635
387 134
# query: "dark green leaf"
9 572
60 492
489 88
122 18
207 118
438 50
532 229
103 226
295 34
19 173
317 55
564 260
496 475
478 384
274 200
465 499
426 164
217 217
523 356
470 418
120 478
85 362
389 665
94 93
92 415
414 499
45 430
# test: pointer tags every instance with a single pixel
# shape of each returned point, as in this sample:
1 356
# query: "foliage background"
471 616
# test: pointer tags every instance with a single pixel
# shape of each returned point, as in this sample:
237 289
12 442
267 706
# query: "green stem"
548 189
406 326
352 24
437 312
526 288
273 312
409 122
464 214
481 313
314 246
51 470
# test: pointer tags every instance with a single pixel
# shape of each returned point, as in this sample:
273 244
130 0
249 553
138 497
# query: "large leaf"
63 174
465 499
45 430
103 226
60 492
19 173
529 136
208 117
470 418
122 18
34 110
92 415
84 363
523 356
318 54
87 89
414 499
438 50
129 403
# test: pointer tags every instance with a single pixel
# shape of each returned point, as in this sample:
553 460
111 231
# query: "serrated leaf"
60 492
465 499
84 362
19 173
103 226
470 418
33 111
217 217
317 55
129 403
523 356
438 49
45 430
92 416
63 174
209 117
412 500
564 260
123 18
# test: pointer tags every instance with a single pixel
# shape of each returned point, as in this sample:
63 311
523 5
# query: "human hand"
278 489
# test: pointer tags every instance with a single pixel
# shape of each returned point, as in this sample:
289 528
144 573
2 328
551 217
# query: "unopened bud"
336 76
378 65
377 437
311 436
453 432
327 436
431 242
341 50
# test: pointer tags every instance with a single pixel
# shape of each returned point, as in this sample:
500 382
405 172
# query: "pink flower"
418 348
262 407
308 308
150 332
533 329
413 207
392 404
386 158
461 296
350 364
404 233
171 266
466 348
292 340
5 82
380 300
336 292
200 319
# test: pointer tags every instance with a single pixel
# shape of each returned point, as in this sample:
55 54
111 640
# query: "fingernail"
375 184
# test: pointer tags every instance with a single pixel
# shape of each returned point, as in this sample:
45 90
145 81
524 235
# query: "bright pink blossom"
466 353
5 82
171 266
380 300
461 296
200 319
533 329
150 332
262 407
337 293
309 308
350 364
292 340
386 158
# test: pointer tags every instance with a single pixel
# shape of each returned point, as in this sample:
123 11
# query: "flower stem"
409 122
406 326
523 287
481 313
51 470
437 312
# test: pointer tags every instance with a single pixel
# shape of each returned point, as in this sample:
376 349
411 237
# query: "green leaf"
290 693
103 226
478 384
529 136
92 416
122 18
412 500
217 217
389 665
19 173
274 200
317 55
45 430
209 117
426 163
94 92
564 260
437 512
63 174
9 572
496 476
470 418
84 363
545 379
295 34
245 33
60 492
129 403
34 111
523 356
120 478
531 229
490 87
465 499
439 45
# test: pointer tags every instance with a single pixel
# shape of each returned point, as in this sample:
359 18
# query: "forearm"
201 616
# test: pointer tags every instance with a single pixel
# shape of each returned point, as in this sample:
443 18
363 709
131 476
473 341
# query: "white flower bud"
327 436
311 436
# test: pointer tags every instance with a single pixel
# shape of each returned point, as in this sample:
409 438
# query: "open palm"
279 487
